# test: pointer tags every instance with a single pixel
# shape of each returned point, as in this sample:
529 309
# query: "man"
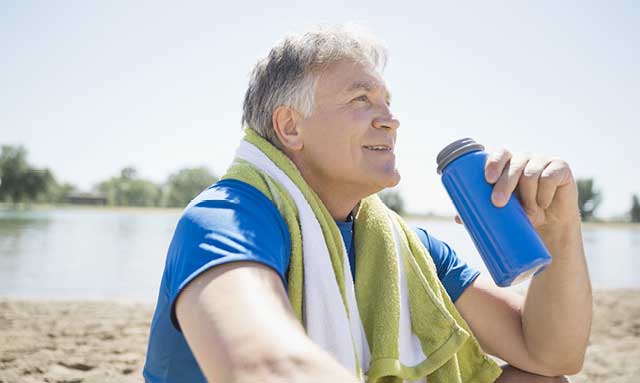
234 303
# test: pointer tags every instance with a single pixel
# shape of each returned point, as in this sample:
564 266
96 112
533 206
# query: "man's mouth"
379 147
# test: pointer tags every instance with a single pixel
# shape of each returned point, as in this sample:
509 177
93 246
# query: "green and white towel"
396 322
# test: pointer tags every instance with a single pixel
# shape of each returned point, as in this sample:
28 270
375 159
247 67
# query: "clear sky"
91 87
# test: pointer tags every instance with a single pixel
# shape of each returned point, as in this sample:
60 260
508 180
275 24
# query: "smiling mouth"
381 148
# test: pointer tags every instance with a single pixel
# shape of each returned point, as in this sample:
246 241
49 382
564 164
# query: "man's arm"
559 303
240 327
548 331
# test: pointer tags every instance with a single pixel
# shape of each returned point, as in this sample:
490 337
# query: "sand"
72 342
78 341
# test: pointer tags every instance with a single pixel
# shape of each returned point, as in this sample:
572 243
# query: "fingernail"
492 176
499 198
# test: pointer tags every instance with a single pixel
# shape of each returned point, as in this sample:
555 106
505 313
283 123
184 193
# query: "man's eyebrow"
360 85
367 86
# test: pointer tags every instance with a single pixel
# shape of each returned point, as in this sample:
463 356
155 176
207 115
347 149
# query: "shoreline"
48 207
105 340
159 209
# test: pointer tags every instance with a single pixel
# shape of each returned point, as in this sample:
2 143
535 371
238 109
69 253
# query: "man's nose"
386 119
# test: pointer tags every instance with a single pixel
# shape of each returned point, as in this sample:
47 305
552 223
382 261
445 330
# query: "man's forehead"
369 85
348 77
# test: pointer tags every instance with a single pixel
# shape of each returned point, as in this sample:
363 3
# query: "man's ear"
286 125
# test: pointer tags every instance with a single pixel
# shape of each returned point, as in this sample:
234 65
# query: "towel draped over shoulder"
396 323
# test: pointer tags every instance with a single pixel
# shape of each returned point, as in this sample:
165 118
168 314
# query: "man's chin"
394 180
389 181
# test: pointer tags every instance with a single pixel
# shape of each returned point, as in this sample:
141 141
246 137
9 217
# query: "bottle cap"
456 149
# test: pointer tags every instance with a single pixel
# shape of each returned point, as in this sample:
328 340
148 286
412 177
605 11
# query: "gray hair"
288 75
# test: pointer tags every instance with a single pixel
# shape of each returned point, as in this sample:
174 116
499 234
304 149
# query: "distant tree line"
589 198
129 189
23 184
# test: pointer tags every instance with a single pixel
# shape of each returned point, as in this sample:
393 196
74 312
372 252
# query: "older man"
259 286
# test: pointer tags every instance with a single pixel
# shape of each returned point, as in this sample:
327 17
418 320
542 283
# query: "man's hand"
544 186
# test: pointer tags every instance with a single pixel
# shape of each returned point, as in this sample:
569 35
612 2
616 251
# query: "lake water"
120 254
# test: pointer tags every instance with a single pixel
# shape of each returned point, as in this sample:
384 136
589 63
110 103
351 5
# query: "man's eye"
362 98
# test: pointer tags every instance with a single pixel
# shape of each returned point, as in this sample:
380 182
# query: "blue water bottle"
507 241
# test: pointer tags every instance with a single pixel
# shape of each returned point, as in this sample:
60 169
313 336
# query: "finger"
458 220
528 184
555 174
508 180
496 161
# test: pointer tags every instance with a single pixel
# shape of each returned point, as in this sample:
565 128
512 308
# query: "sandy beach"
105 341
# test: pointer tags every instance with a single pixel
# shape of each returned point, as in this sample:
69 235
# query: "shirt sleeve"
230 222
454 273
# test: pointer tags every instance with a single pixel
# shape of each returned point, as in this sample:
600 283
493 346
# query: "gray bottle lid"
456 149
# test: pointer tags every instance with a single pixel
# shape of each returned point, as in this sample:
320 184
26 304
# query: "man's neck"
340 206
341 200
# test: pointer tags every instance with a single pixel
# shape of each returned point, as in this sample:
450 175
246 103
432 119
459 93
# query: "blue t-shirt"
233 221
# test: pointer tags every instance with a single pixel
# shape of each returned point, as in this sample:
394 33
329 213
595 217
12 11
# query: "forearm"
237 321
280 353
291 360
557 312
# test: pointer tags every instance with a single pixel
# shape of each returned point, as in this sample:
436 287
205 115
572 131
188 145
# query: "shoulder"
230 221
229 193
233 205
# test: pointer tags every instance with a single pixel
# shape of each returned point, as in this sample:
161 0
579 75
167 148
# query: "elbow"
554 360
574 367
565 370
561 366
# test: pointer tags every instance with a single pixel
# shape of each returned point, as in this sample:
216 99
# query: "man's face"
349 139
